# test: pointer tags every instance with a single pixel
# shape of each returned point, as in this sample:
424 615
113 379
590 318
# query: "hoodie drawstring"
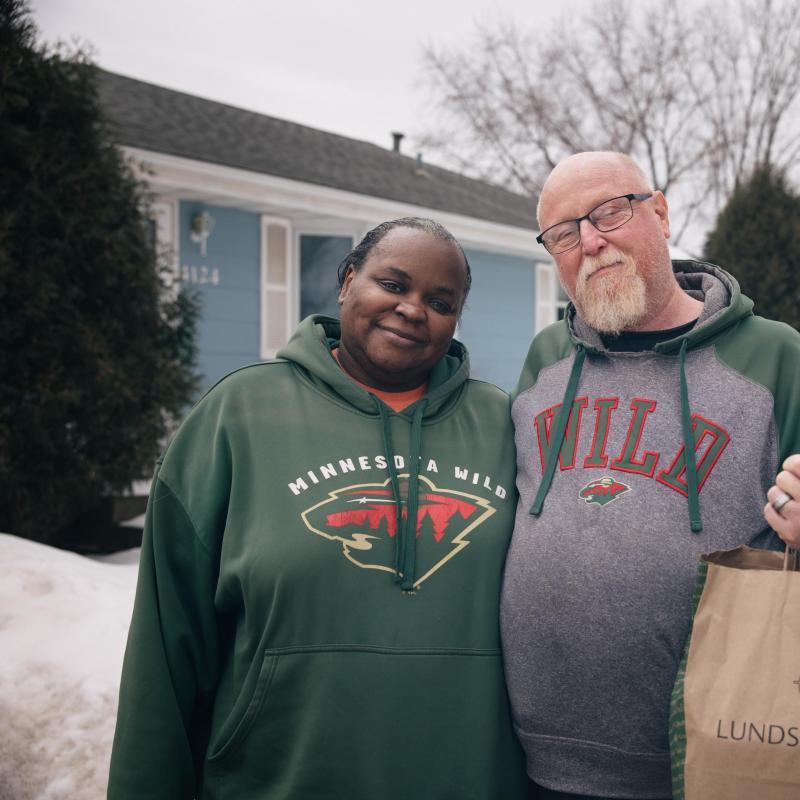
559 430
695 522
409 563
389 452
405 544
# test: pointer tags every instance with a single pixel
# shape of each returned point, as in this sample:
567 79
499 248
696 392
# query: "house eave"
176 177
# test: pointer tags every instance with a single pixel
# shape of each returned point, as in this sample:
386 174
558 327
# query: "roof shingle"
166 121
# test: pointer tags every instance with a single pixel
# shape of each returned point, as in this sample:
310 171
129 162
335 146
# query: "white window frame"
165 216
288 288
547 301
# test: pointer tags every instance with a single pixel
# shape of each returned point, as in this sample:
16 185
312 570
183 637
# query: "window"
320 256
545 296
551 300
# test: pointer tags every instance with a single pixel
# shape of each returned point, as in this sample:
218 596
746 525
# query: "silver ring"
780 501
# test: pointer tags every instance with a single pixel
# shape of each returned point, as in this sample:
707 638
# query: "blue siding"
497 324
499 320
229 328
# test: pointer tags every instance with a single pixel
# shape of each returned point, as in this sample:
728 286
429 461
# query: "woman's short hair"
358 255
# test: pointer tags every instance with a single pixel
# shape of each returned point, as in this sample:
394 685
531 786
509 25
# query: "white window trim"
547 302
165 216
289 289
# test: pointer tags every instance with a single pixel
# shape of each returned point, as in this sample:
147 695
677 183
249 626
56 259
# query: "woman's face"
399 310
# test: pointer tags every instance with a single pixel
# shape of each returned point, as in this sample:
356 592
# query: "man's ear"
348 279
662 211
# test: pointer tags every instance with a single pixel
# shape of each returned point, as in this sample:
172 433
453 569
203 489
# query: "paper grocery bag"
735 713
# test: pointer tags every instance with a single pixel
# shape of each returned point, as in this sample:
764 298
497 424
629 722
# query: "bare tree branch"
699 97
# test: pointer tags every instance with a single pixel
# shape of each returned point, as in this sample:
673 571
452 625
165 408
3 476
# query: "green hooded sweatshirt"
630 466
294 634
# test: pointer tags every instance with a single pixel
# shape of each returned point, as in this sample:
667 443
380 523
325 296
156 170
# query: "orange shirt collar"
397 401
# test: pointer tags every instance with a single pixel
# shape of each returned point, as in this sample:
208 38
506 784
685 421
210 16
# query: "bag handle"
791 560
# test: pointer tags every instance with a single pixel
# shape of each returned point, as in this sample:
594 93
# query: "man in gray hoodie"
650 423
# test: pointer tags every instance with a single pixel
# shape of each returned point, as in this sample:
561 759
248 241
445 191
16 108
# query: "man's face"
619 279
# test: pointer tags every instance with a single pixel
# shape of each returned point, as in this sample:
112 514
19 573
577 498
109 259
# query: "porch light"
201 227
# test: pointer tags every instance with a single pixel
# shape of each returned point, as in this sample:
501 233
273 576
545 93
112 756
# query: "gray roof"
154 118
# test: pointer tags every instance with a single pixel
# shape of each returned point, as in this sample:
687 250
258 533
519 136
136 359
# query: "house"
257 213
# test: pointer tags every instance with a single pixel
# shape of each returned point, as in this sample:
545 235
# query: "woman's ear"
348 279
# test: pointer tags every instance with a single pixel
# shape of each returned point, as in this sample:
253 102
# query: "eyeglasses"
608 216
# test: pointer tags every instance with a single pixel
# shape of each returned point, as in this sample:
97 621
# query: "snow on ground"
63 623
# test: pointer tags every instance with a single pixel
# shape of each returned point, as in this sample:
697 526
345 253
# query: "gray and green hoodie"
661 456
316 613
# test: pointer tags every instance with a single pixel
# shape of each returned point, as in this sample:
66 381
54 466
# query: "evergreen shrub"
757 239
97 352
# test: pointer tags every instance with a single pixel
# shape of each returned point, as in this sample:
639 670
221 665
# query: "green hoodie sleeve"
171 664
768 353
548 347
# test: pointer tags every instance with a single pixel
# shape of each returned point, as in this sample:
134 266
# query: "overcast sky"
351 67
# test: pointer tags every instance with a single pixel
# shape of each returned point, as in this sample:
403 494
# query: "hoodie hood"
723 306
311 349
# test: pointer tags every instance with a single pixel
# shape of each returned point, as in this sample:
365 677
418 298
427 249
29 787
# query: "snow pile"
63 623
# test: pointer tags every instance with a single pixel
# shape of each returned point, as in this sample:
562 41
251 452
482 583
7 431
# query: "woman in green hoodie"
316 613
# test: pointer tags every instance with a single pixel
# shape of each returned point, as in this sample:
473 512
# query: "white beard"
611 303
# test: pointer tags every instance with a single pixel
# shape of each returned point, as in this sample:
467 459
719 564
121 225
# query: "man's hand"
786 520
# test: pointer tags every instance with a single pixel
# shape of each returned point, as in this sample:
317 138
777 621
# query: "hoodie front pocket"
345 721
238 725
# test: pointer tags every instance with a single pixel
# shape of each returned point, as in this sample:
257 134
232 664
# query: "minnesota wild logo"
362 520
603 491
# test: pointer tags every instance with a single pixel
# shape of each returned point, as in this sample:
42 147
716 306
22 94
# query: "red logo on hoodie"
364 520
603 492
